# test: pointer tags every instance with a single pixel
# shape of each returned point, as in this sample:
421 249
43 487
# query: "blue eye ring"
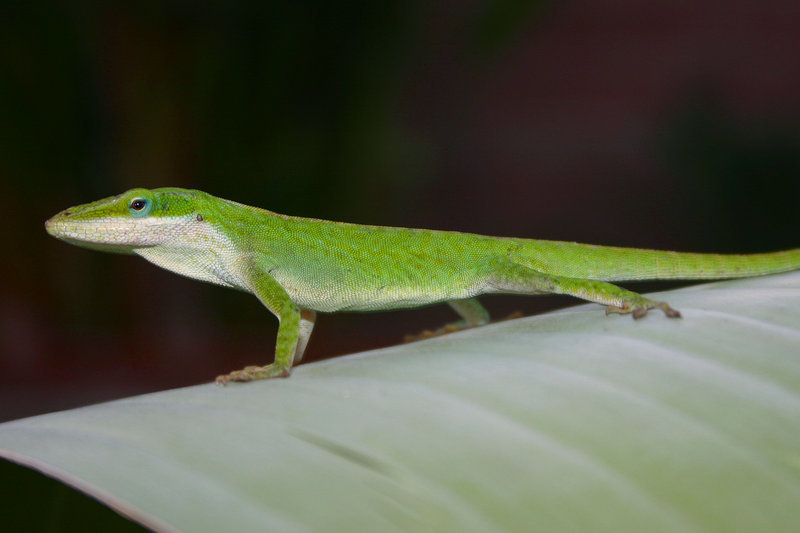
140 207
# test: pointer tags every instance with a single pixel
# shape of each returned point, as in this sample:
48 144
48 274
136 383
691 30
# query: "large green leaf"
565 421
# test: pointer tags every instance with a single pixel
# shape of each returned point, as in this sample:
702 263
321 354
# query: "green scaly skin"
299 266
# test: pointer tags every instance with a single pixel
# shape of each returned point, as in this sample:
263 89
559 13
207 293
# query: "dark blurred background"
666 124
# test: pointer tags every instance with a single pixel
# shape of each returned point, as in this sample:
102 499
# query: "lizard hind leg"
471 311
519 279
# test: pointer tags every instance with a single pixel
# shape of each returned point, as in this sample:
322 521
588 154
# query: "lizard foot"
639 308
430 333
252 373
451 328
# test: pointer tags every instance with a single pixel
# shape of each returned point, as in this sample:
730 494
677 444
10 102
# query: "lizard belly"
327 297
363 273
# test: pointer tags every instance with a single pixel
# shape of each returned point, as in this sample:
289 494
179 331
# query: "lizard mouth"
69 231
55 225
88 234
113 233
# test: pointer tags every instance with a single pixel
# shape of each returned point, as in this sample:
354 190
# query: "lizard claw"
452 328
252 373
640 309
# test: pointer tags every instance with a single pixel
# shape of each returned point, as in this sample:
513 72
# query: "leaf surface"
569 421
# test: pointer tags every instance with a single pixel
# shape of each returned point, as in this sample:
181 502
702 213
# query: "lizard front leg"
294 330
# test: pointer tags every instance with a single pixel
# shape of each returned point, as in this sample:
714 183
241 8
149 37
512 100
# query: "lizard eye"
139 207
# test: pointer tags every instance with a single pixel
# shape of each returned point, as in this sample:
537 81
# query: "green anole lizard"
298 266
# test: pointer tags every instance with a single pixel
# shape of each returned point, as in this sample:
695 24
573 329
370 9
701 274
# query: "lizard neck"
214 245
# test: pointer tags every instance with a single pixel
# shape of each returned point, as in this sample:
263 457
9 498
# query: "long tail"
610 263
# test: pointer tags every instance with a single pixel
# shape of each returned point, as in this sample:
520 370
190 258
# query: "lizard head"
138 218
